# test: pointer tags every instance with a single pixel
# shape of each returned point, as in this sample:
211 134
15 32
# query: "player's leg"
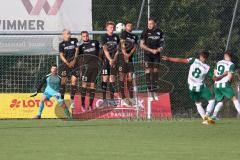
73 89
207 95
122 76
112 84
91 80
236 104
83 94
229 93
219 98
130 83
63 71
200 109
41 106
62 104
91 91
148 75
112 79
105 79
155 76
196 97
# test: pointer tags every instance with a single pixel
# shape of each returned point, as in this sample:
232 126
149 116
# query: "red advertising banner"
160 108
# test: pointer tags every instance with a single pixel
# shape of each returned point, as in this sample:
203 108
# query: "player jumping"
152 43
68 68
128 46
110 43
223 87
52 89
89 52
197 88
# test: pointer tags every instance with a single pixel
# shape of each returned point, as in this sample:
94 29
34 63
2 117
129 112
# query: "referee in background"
152 40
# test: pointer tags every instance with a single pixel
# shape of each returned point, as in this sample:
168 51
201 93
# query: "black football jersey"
111 42
89 51
153 38
130 40
68 48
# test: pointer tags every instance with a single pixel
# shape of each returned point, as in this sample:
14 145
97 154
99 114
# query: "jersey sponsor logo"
69 47
42 4
154 37
90 50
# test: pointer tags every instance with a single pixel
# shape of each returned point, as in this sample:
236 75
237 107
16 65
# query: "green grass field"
119 139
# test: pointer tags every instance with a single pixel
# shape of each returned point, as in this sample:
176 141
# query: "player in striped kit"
197 88
223 88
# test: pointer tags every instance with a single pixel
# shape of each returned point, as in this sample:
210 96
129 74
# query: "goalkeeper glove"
34 94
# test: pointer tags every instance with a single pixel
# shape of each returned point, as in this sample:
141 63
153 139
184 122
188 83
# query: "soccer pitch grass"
119 139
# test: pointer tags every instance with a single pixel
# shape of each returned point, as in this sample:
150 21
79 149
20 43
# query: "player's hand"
160 49
72 64
111 62
155 51
225 73
126 57
34 94
165 58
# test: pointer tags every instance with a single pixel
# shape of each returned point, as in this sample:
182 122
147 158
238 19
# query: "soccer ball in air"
120 27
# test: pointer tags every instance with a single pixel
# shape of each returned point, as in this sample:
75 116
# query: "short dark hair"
110 23
128 22
204 53
84 32
229 54
53 65
152 19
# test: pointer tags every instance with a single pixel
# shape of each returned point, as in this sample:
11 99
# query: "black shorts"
123 66
151 61
90 74
65 71
108 70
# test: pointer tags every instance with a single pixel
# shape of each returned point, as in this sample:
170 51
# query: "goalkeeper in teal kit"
52 89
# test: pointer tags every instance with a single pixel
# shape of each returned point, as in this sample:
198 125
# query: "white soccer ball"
120 27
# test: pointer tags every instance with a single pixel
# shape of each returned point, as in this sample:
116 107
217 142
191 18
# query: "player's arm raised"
39 87
175 60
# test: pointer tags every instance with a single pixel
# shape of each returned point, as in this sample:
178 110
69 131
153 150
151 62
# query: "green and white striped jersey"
221 67
197 74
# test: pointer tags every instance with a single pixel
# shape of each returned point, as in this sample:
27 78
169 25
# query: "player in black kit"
129 43
152 41
68 67
89 54
110 43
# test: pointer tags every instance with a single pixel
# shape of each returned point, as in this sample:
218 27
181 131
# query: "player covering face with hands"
53 84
